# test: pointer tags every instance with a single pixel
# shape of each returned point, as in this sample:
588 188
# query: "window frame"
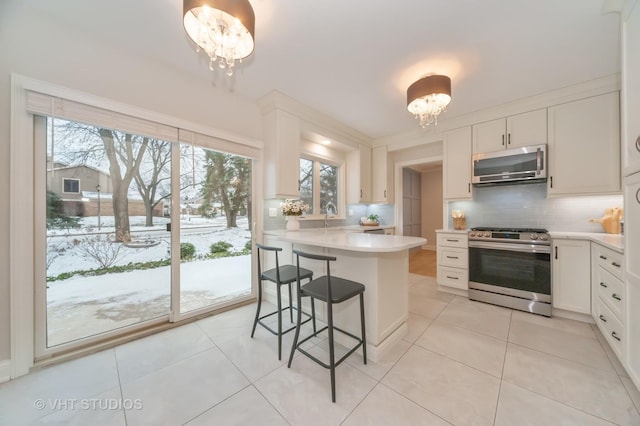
64 180
342 185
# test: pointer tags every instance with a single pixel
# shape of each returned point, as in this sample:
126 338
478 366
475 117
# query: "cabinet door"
632 274
381 185
359 175
282 155
489 136
456 164
571 266
527 129
631 91
584 146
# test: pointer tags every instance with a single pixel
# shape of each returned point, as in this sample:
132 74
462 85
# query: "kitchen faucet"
326 212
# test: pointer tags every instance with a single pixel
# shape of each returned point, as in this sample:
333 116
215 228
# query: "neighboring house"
87 191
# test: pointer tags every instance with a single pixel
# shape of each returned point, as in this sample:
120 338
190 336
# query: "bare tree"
151 182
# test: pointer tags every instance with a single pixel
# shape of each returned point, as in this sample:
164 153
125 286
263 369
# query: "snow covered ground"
82 306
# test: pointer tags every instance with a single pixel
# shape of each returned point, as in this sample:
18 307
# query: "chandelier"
224 29
428 97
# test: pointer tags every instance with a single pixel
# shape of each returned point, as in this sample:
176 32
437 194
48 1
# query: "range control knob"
544 237
487 235
472 234
533 236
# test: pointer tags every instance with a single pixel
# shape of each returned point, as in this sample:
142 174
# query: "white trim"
5 370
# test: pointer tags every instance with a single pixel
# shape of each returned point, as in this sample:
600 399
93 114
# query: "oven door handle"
523 248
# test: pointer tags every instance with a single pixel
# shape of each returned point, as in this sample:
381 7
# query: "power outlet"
273 212
350 212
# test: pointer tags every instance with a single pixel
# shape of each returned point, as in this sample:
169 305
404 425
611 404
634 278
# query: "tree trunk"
231 218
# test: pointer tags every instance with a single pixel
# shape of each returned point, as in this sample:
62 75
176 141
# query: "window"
71 185
320 183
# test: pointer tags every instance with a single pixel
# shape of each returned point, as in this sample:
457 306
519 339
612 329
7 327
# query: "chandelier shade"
224 29
428 97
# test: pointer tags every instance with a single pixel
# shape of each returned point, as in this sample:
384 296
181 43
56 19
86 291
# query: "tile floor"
461 363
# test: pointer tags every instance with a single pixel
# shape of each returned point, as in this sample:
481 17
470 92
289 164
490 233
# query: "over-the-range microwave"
516 165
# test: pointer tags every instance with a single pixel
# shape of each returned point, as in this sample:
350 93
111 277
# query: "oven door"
521 270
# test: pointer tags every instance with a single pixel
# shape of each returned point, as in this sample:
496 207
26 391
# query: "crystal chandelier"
224 29
428 97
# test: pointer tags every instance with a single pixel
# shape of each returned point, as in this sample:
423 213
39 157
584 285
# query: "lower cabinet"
571 275
609 298
453 260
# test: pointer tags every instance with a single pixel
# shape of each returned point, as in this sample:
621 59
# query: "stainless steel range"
511 267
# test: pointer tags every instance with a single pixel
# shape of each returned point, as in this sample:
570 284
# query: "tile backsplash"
528 206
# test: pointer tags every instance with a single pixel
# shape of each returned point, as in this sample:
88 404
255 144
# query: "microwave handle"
538 161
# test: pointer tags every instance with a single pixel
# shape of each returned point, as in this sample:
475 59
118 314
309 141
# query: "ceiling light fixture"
224 29
428 97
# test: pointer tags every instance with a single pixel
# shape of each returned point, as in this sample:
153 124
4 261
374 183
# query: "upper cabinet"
529 128
382 180
359 175
631 91
584 146
456 164
281 155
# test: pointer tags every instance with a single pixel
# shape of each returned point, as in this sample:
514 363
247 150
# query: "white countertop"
453 231
612 241
352 240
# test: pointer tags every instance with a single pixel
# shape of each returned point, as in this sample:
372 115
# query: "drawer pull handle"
603 257
615 296
603 285
452 241
452 278
638 143
452 257
617 265
603 318
638 195
615 336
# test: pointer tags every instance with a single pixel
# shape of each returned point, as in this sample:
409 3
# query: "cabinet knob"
603 285
617 265
615 296
509 139
603 318
502 140
615 336
603 257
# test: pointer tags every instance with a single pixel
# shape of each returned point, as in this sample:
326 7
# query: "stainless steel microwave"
515 165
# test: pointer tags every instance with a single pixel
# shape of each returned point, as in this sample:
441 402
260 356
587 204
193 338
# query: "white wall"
34 46
431 205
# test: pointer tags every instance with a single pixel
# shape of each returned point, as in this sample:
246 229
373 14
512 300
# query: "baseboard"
5 370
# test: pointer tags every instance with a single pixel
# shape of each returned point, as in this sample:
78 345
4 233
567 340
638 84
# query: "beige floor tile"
518 406
425 306
613 358
184 390
557 323
429 288
595 391
379 368
574 347
476 350
244 408
632 390
477 316
302 393
104 409
384 406
449 389
416 325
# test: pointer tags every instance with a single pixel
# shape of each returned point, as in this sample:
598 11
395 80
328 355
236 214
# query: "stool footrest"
293 327
352 350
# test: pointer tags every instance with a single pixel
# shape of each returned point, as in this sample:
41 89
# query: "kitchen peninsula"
380 262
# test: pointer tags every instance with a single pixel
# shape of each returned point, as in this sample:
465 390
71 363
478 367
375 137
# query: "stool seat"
341 289
288 274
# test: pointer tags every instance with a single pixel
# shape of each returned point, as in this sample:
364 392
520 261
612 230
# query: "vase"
293 224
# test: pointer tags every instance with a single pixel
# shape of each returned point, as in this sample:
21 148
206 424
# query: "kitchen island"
380 262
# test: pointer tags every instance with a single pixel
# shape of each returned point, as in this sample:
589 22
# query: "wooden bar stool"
330 290
281 275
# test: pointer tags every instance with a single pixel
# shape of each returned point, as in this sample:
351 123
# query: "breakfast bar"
380 262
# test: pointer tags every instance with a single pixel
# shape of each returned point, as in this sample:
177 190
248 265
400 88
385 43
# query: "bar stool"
330 290
281 275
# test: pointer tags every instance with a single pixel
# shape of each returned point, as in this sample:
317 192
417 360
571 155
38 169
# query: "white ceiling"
354 59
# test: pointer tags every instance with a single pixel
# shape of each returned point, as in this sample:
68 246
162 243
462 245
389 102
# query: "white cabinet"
382 182
456 164
608 294
631 91
584 146
359 175
632 274
281 155
529 128
453 260
571 275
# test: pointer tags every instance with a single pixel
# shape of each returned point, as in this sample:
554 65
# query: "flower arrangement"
293 207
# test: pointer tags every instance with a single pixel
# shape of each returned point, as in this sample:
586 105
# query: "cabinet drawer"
453 240
611 290
610 260
454 257
611 328
453 277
